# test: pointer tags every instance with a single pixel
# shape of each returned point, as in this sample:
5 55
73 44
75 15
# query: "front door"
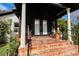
38 27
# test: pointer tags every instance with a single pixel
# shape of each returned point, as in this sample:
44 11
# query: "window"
16 24
16 27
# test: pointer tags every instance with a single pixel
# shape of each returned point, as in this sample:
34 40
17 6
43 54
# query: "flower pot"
57 36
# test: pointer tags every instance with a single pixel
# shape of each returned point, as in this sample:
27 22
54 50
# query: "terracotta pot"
57 36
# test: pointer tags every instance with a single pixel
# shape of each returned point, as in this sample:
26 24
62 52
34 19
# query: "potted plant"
56 34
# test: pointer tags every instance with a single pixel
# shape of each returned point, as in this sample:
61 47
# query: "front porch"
39 28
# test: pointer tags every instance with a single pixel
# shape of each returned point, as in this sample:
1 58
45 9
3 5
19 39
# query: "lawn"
4 49
9 49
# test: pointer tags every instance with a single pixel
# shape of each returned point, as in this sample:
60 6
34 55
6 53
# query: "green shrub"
4 50
13 46
4 30
10 48
7 47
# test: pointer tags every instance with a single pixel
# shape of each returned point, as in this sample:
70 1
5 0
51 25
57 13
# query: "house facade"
35 25
40 20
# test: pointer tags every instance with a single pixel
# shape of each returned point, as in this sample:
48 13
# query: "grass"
10 48
4 49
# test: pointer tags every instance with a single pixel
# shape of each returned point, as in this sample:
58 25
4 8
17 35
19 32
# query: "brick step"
58 51
74 54
47 46
49 42
53 44
42 48
41 38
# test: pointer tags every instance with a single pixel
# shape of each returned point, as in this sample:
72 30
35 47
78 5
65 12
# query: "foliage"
62 24
4 49
4 30
75 32
14 46
10 48
7 47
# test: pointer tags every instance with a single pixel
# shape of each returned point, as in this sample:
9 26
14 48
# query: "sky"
7 6
73 16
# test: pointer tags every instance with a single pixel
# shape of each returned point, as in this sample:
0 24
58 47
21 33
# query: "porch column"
22 39
69 25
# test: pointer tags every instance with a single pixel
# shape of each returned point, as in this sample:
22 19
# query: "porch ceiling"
46 10
43 11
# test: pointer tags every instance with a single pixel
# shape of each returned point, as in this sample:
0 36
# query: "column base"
71 42
22 51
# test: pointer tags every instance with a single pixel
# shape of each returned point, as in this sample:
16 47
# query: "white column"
58 30
69 25
23 20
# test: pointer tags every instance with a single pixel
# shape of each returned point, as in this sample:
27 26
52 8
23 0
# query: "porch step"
58 51
47 46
